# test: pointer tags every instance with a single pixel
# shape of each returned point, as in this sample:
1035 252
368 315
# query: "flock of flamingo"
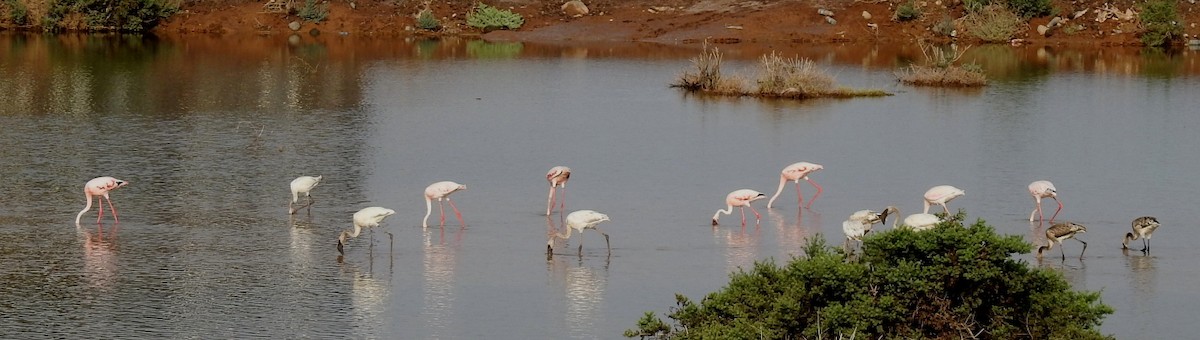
855 227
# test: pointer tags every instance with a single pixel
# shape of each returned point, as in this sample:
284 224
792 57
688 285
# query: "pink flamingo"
441 191
940 195
740 198
100 186
557 177
1040 190
794 173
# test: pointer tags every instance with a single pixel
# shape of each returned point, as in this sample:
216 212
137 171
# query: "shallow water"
209 134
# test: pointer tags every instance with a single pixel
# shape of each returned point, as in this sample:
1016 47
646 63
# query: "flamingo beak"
339 248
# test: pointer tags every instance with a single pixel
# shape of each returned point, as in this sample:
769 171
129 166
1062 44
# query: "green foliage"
1030 8
906 12
114 15
1160 22
426 21
313 12
976 5
17 12
488 17
494 50
949 282
994 23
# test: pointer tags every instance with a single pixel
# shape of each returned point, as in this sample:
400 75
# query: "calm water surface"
210 134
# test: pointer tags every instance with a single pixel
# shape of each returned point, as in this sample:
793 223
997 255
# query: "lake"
210 131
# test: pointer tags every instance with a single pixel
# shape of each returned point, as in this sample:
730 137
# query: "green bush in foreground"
949 282
1160 22
488 17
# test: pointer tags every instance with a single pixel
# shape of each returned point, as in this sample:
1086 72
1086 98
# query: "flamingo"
872 217
557 177
920 222
368 217
580 220
1060 232
940 195
302 184
860 222
1040 190
441 191
794 173
740 198
100 186
1143 228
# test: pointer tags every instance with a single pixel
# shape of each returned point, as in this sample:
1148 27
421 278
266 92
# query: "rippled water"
210 134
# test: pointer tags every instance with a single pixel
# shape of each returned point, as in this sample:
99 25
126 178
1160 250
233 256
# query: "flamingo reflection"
99 256
741 247
441 257
584 287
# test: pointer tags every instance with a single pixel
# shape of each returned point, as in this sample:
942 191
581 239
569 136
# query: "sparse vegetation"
907 11
976 5
952 282
941 68
778 77
1159 22
1030 8
115 15
426 21
17 12
994 23
313 11
488 18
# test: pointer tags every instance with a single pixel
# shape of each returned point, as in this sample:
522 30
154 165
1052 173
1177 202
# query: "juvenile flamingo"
794 173
557 177
860 222
580 220
1040 190
100 186
302 185
368 217
940 195
441 191
1061 232
1143 228
920 222
740 198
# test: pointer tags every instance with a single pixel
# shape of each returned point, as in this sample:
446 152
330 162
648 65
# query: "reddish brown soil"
662 21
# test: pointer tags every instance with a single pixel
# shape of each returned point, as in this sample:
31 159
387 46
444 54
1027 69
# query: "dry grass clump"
778 77
941 69
993 23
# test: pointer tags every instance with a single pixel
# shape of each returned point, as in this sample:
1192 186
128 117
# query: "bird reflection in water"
440 259
792 235
369 296
741 247
99 255
584 283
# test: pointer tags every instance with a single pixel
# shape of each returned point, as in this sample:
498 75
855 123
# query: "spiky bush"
906 12
488 17
426 21
778 75
1160 22
941 68
950 282
994 23
313 11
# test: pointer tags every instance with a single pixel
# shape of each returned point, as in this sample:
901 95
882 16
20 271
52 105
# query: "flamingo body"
1040 190
794 173
581 220
99 187
860 222
557 177
369 217
741 199
302 185
1060 232
941 195
1143 228
441 191
920 222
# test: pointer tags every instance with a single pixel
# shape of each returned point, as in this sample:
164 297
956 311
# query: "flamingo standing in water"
1143 228
1040 190
940 195
368 217
794 173
740 198
580 220
303 185
557 177
100 186
1060 232
441 191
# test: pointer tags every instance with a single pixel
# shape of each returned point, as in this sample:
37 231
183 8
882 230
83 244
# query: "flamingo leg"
1084 248
799 196
100 206
1055 211
757 216
818 194
442 212
562 203
1037 209
947 209
113 209
550 200
743 210
456 213
1145 245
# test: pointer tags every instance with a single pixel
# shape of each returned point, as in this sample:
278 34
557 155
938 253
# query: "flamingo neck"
428 210
782 182
85 208
728 210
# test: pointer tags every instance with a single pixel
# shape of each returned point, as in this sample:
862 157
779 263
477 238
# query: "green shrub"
313 12
426 21
976 5
488 17
906 12
778 75
949 282
994 23
114 15
1160 22
17 13
1030 8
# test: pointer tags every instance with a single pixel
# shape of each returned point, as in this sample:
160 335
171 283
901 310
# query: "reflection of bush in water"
486 50
1161 65
1001 62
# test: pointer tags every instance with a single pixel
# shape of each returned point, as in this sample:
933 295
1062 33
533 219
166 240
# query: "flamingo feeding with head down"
1040 190
940 195
741 199
557 177
100 186
860 222
441 191
580 220
794 173
368 217
1143 228
303 185
1060 232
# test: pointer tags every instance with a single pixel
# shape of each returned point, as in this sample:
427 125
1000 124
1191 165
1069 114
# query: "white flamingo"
794 173
920 222
941 195
369 217
1040 190
580 220
441 191
741 199
303 185
557 177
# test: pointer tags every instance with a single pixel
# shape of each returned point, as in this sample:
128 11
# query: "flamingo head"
340 242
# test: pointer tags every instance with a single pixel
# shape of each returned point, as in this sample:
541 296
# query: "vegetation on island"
951 282
942 68
778 77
